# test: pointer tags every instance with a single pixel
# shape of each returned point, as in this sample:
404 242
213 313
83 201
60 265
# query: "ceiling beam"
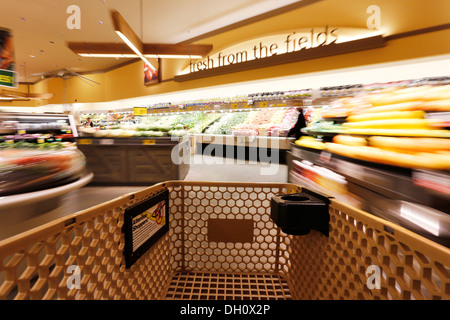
120 25
147 48
99 47
178 49
132 46
126 33
17 94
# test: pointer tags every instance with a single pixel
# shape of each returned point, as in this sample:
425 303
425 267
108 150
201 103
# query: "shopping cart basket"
221 243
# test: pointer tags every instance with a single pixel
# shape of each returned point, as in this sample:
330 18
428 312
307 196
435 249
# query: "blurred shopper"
89 123
296 130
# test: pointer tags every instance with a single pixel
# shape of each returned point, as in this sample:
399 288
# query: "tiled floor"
201 169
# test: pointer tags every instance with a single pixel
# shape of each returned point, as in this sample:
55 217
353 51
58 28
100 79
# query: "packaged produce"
228 121
350 140
310 142
406 144
177 133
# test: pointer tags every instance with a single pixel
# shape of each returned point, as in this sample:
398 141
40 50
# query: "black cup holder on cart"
299 213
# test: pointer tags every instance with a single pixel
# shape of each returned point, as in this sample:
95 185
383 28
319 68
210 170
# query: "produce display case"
135 160
37 152
245 130
107 117
386 191
251 148
39 163
387 152
251 135
34 127
198 255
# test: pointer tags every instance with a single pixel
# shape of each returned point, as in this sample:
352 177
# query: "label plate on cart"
144 224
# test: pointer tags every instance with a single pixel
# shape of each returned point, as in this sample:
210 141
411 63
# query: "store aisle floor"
202 168
206 168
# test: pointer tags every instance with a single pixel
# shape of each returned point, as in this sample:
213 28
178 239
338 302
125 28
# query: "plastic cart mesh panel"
227 286
222 244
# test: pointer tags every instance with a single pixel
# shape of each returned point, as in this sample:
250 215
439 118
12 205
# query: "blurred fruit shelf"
378 185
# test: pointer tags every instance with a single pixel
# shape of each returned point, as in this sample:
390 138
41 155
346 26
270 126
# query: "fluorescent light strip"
133 47
422 220
173 56
119 55
108 55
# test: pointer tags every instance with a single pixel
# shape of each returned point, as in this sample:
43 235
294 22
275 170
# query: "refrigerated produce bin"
135 161
217 241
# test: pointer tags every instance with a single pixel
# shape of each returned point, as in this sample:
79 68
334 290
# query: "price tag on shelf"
281 105
202 109
190 108
234 106
21 132
240 140
40 140
263 104
106 141
325 156
69 131
85 141
9 141
247 106
297 152
148 142
350 169
139 111
432 180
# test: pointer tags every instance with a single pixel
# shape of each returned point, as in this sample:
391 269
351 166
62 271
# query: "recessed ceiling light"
52 42
100 21
23 19
32 56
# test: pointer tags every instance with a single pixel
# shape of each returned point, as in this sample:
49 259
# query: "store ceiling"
40 27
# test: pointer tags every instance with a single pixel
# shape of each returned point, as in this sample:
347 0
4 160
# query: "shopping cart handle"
299 213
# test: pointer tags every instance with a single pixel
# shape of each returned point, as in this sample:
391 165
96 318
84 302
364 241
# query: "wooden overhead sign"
282 48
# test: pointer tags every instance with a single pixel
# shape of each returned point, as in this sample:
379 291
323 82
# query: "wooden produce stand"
135 161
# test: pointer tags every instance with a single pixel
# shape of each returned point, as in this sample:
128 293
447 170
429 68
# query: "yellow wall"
26 88
83 90
396 16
